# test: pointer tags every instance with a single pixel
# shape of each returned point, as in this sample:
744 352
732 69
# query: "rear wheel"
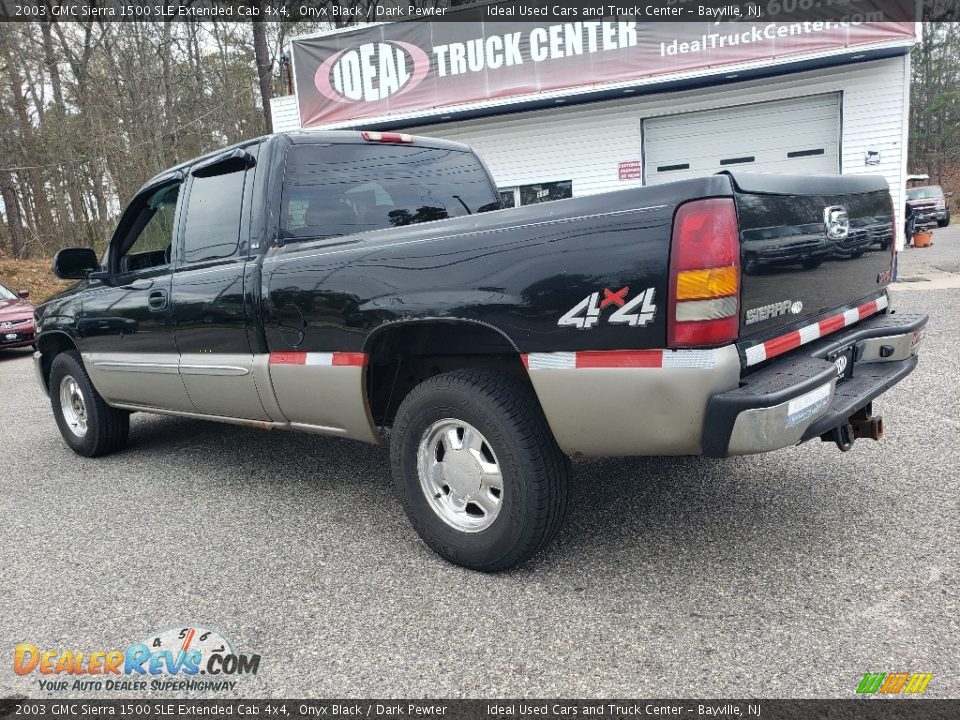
88 425
477 470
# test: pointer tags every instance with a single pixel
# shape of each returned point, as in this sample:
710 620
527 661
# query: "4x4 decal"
635 312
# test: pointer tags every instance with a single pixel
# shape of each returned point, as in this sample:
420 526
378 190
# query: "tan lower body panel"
621 411
146 379
324 398
223 384
241 389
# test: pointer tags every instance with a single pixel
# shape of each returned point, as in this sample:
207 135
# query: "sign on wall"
396 68
630 169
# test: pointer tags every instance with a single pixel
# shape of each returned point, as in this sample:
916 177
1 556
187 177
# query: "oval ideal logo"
797 307
372 72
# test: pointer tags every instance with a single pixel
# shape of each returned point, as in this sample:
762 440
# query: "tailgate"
810 244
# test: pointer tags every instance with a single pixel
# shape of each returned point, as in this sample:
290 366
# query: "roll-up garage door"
800 135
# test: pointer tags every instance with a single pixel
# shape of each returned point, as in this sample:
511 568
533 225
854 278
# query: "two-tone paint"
285 335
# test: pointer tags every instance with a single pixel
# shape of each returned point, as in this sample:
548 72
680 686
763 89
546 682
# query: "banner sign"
396 68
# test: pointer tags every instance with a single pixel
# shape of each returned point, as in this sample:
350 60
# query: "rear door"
212 313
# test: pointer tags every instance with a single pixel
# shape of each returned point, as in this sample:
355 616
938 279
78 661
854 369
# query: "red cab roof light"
390 137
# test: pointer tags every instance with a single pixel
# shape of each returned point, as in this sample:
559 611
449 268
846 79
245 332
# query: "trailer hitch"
862 424
842 435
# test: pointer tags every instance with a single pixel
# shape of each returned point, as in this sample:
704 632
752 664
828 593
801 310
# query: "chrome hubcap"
460 476
73 406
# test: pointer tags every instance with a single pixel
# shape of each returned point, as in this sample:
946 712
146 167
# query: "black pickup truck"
339 283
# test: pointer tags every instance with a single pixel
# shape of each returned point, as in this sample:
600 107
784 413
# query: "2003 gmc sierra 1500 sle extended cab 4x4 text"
340 282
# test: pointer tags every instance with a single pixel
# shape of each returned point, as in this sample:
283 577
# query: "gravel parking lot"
785 575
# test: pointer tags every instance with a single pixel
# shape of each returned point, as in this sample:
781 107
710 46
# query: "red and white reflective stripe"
348 359
814 331
700 359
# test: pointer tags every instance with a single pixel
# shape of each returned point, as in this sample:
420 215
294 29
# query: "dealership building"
575 108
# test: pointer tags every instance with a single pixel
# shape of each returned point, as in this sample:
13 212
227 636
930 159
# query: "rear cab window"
342 189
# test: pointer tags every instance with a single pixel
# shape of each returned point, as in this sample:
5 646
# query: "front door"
125 323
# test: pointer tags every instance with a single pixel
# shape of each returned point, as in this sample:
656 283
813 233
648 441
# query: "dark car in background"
16 319
928 205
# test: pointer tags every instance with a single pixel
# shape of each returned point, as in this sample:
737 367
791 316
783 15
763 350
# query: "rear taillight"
375 136
704 275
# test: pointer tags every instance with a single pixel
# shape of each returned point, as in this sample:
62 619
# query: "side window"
213 217
148 242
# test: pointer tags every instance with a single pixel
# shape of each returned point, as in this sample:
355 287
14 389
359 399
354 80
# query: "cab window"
148 242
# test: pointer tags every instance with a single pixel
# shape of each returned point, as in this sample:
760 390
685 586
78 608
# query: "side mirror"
75 263
950 194
23 294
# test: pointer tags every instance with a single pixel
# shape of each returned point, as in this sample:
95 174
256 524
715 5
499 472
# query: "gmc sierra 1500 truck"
339 283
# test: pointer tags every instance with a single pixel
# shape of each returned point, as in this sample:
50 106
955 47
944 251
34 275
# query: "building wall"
586 143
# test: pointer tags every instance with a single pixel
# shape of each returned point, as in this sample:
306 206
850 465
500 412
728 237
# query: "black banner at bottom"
879 709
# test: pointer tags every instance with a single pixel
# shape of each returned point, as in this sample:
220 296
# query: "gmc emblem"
837 222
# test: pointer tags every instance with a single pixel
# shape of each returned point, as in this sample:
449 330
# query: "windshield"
340 189
7 294
924 193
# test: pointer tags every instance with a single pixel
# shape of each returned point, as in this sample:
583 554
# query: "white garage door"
800 135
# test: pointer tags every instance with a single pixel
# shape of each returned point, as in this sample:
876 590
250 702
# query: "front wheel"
88 425
477 470
944 223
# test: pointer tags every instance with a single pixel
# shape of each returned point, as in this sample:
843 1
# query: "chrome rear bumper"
798 397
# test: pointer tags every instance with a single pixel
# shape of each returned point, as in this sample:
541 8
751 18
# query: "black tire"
944 223
812 263
533 469
107 428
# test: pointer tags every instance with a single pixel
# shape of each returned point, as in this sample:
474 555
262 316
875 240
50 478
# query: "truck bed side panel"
518 270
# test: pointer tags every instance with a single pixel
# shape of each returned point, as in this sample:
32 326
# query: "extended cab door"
212 312
124 324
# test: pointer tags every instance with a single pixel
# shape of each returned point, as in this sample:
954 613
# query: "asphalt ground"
784 575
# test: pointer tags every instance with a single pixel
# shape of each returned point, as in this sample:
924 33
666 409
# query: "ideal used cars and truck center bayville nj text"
567 109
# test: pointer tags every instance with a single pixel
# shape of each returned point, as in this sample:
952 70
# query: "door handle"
157 300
